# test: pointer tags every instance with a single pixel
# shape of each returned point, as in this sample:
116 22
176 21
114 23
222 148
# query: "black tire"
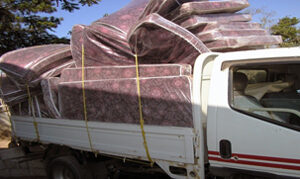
66 167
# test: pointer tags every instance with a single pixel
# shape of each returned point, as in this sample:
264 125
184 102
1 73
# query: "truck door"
254 117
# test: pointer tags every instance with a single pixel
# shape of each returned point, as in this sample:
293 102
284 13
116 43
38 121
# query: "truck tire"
66 167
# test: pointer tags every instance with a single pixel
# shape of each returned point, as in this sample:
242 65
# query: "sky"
86 15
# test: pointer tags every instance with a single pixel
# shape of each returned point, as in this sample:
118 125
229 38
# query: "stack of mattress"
25 68
168 31
166 35
216 24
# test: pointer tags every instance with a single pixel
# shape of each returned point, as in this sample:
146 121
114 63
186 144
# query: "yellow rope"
35 124
84 102
141 111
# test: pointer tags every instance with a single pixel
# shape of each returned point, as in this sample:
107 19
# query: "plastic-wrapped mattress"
194 21
50 96
166 101
217 34
207 7
156 40
105 40
117 72
123 19
163 7
225 26
103 46
231 43
27 64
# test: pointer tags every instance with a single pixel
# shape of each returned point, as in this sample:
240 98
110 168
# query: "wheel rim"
62 172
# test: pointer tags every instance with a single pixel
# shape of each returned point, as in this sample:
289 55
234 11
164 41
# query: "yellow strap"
141 111
84 102
35 124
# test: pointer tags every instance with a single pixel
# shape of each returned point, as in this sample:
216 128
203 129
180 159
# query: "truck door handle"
225 149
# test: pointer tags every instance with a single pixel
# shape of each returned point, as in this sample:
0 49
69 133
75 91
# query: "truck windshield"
268 92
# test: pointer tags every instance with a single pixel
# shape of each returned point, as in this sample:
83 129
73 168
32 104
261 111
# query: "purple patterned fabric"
23 109
7 85
103 46
227 26
117 72
50 96
105 40
157 40
166 101
76 42
232 43
213 35
195 20
12 94
123 19
56 71
207 7
27 64
163 7
8 89
20 96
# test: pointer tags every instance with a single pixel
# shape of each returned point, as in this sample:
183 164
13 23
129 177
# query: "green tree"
286 27
22 25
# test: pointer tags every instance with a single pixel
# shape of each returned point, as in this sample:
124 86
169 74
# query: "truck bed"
166 143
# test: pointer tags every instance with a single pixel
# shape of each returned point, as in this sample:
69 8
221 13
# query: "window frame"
256 116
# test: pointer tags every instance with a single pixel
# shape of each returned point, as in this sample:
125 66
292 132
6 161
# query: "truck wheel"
66 167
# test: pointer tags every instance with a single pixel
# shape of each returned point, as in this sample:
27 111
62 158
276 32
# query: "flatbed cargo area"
172 144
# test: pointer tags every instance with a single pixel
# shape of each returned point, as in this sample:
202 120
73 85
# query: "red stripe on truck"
262 164
257 157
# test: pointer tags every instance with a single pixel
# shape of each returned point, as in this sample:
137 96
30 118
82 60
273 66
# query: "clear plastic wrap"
233 43
207 7
103 46
166 101
157 40
9 89
105 40
227 26
123 19
12 94
27 64
194 21
23 109
117 72
218 34
76 43
163 7
56 71
50 96
20 97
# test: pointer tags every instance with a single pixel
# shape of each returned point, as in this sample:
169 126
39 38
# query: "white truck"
246 115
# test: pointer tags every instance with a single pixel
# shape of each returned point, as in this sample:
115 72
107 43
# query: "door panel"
256 144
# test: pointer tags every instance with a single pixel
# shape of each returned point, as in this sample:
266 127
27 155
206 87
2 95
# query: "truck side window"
275 99
254 75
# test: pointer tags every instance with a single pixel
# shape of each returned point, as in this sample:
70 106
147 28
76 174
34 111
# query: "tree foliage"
290 33
22 25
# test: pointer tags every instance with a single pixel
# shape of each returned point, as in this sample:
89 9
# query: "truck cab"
250 111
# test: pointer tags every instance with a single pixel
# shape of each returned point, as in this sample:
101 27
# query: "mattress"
27 64
166 101
117 72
